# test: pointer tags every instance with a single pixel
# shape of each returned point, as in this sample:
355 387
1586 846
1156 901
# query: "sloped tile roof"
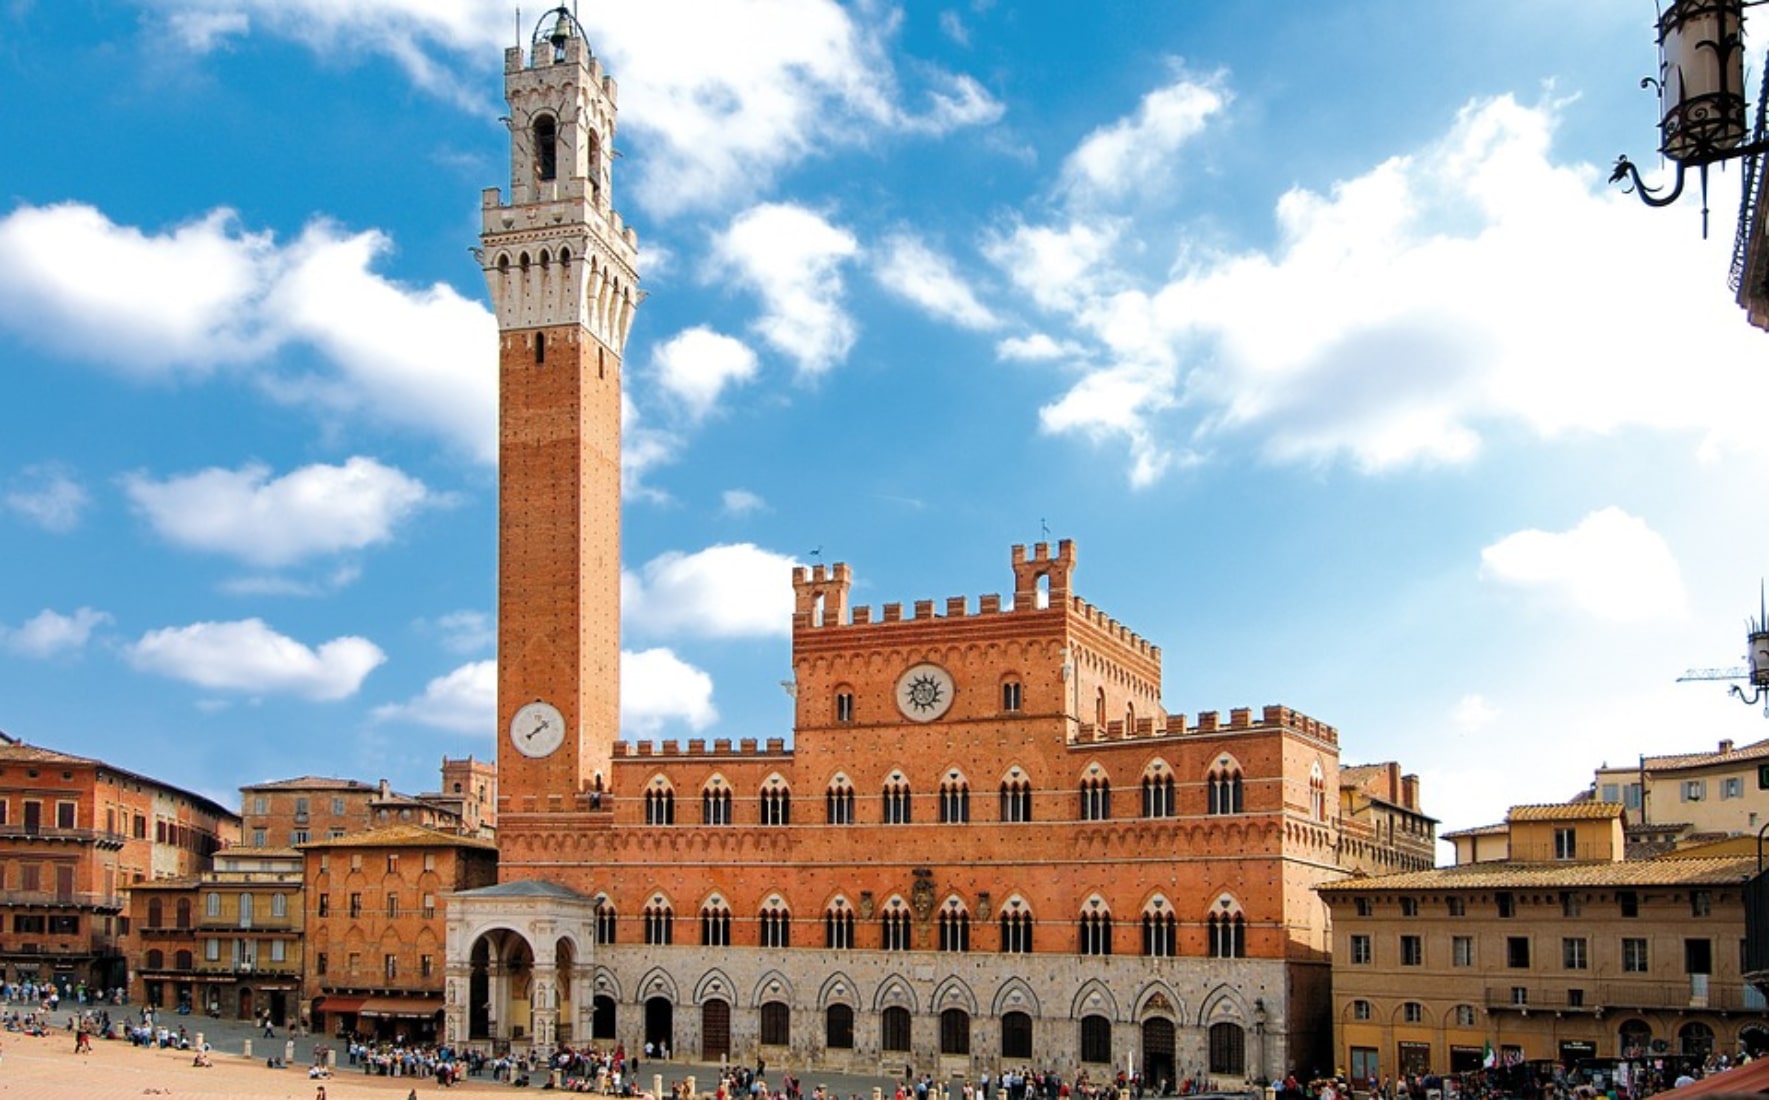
401 836
1574 811
1756 750
1503 875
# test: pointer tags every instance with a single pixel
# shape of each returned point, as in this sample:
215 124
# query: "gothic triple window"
776 924
1016 928
1224 787
1158 791
660 803
1096 928
954 927
894 926
838 926
715 923
954 799
838 802
1016 797
604 921
1160 930
776 802
896 800
659 922
1227 929
1096 796
715 802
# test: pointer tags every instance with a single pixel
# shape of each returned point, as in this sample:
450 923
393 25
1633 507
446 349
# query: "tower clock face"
924 692
538 729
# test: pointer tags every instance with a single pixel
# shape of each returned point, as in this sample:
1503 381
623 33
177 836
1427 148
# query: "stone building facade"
1560 950
987 843
76 834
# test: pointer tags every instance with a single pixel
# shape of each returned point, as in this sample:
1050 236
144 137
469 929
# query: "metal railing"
1610 997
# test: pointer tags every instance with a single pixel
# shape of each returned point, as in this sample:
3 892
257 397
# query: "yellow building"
1563 950
1701 794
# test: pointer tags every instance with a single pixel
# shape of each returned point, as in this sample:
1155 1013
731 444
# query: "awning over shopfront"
340 1004
399 1006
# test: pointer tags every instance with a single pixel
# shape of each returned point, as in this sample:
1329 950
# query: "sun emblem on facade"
924 692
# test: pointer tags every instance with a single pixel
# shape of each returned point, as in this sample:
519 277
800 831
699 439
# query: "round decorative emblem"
924 692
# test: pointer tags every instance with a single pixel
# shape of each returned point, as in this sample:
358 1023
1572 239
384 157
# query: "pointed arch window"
715 924
776 803
954 928
894 927
1011 696
1158 792
1227 930
844 706
605 922
1317 793
715 803
660 805
1016 798
776 925
546 148
896 800
660 922
838 802
1096 798
1160 930
1225 789
1096 929
954 800
1016 928
838 926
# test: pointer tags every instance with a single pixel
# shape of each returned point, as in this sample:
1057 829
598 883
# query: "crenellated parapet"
746 748
1209 722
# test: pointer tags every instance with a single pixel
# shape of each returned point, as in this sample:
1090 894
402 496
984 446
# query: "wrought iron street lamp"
1702 108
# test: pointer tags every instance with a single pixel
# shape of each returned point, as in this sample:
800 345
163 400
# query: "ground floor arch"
715 1030
1159 1068
660 1024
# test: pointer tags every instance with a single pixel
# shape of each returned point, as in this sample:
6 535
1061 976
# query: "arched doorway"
245 1003
715 1030
1754 1038
500 987
1157 1054
602 1022
660 1022
1695 1039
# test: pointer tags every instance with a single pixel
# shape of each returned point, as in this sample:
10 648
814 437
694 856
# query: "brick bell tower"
561 269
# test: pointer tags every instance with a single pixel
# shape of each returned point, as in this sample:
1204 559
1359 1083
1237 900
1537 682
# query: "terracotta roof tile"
1756 750
401 836
1575 811
1717 871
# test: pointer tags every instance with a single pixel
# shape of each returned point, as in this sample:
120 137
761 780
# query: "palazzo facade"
985 845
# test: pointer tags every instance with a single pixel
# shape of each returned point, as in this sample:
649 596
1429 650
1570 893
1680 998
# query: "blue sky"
1315 326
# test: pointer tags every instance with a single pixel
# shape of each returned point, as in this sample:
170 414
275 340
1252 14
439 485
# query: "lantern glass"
1701 80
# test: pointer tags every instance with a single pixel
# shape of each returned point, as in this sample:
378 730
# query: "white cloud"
913 271
728 591
1405 313
329 583
47 496
952 26
208 294
695 367
1036 348
465 631
51 633
247 514
462 701
248 656
729 94
791 258
1611 566
1473 713
204 31
741 502
1136 154
642 448
657 687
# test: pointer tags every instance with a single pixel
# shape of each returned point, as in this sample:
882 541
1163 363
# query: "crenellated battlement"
746 749
1240 719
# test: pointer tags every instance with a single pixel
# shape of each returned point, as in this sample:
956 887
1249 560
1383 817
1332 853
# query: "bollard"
199 1040
657 1086
248 1050
331 1058
877 1093
289 1052
690 1093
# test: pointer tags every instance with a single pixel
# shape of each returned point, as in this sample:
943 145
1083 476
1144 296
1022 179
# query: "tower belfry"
561 268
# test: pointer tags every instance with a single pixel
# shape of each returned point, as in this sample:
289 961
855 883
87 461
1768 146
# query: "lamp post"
1702 107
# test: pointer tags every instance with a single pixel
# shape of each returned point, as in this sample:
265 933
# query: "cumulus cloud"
1036 348
643 448
464 700
697 365
729 591
791 258
47 496
51 634
657 687
1611 566
1401 314
464 631
1473 713
916 273
210 295
722 122
741 502
274 521
1136 154
249 657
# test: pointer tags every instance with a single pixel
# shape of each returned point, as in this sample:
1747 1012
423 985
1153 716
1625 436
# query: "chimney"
1726 746
386 790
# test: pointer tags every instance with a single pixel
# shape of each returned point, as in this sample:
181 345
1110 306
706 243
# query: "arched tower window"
660 803
1224 787
1317 793
546 148
660 921
1016 797
776 802
1096 794
715 802
896 800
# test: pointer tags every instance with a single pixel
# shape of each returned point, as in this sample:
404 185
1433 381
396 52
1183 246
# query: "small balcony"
60 899
108 841
1696 992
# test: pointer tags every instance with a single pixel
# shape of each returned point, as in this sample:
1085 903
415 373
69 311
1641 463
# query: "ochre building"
985 843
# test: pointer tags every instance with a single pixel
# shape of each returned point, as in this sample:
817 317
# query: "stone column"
497 993
543 1005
